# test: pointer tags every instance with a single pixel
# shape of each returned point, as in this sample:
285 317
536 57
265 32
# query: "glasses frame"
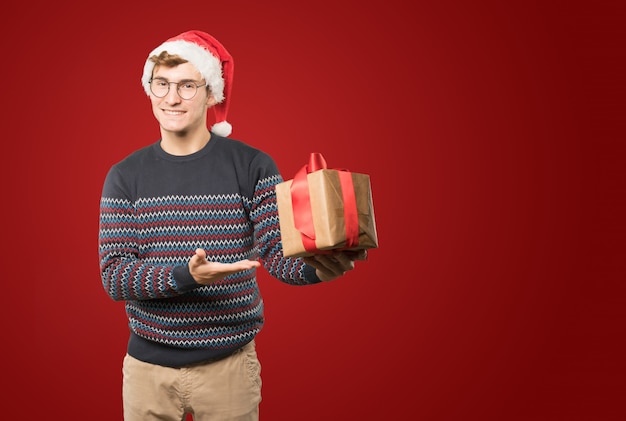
178 85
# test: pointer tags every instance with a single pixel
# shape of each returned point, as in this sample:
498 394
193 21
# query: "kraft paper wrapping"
327 213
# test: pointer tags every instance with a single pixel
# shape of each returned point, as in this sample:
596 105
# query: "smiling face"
177 116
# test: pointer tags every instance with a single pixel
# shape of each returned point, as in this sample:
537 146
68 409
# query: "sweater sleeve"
264 214
124 275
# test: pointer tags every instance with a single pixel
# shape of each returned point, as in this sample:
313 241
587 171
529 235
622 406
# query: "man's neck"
184 144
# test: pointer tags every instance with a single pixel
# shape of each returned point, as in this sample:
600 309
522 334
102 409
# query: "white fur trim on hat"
207 64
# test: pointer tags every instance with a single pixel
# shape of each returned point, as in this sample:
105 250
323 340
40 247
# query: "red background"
493 133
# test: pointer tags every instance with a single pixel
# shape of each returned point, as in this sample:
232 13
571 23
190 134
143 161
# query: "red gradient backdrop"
493 133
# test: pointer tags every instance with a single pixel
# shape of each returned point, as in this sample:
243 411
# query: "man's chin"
174 129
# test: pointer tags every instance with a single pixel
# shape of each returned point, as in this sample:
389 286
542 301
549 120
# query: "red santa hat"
211 59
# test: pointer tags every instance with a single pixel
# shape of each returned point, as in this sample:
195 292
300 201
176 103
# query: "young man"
184 224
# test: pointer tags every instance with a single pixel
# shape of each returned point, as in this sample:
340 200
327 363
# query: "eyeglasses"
186 88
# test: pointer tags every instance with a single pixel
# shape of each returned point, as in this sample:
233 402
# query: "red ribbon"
301 203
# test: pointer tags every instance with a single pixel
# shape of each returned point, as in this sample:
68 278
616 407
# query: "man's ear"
210 101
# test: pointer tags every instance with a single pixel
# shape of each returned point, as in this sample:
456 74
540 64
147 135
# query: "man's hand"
336 264
206 273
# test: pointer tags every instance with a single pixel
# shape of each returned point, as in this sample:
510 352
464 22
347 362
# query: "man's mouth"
173 112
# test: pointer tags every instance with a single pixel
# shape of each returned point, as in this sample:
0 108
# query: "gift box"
323 209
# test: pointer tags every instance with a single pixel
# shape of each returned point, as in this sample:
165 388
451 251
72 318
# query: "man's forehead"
182 71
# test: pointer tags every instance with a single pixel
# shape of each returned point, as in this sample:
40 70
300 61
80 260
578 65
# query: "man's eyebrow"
180 81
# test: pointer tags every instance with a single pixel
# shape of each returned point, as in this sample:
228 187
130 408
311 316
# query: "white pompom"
223 128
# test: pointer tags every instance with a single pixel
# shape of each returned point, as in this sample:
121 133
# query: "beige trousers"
229 389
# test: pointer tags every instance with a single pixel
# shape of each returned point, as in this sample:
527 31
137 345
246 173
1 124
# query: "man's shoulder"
136 156
241 149
238 145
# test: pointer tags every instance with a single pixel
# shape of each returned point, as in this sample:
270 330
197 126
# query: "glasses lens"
187 90
159 87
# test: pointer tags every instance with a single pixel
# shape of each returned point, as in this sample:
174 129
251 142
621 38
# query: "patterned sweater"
155 210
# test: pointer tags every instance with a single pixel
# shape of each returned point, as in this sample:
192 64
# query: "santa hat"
211 59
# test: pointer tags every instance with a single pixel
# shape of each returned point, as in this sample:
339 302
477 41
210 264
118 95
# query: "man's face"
175 114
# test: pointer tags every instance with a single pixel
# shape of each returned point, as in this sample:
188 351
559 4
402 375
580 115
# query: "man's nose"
172 95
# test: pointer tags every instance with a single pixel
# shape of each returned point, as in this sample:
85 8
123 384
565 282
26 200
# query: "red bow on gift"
301 203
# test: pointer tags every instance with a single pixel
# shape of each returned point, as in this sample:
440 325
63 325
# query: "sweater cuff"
183 279
310 275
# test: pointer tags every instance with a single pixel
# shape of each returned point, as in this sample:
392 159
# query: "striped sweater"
155 210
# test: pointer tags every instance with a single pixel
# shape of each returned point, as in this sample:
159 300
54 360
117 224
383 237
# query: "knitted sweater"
156 210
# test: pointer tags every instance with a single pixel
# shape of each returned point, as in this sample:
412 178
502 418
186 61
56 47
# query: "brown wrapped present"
324 209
